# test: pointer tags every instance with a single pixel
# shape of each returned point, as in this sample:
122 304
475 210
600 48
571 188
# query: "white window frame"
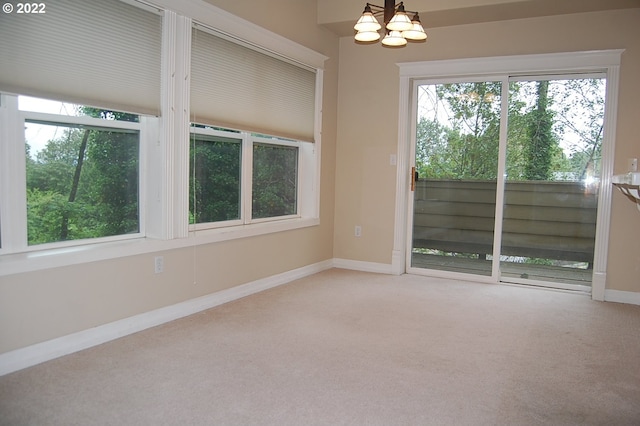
249 196
241 137
305 209
14 228
164 173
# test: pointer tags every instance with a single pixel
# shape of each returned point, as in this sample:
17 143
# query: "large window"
82 172
240 177
249 176
83 184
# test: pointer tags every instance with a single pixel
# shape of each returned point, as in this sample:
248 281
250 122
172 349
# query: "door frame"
603 61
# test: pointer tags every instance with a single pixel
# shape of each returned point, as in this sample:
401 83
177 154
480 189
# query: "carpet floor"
352 348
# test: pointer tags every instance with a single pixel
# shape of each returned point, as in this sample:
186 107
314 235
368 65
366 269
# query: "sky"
37 135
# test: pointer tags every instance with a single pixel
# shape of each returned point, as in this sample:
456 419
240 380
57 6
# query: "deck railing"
548 220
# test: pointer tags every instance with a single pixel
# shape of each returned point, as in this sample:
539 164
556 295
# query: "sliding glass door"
507 186
455 179
553 168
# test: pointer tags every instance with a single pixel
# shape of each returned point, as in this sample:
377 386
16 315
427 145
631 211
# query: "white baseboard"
598 285
51 349
630 297
398 262
358 265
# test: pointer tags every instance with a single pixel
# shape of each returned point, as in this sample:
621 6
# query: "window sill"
53 258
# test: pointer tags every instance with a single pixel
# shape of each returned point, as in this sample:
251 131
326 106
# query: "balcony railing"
542 220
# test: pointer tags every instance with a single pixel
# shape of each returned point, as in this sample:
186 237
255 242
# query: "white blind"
239 87
103 53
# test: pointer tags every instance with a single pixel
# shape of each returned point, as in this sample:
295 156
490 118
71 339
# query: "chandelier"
398 27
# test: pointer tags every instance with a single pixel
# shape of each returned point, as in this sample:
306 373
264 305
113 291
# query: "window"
241 177
82 172
71 173
275 177
236 84
215 190
83 184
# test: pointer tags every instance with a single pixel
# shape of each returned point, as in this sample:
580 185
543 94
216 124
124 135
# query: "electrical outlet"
633 164
159 264
358 231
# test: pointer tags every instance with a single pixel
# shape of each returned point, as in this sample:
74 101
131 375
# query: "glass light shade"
367 36
400 22
394 39
367 22
416 33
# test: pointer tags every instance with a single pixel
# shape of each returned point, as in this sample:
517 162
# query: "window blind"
236 86
102 53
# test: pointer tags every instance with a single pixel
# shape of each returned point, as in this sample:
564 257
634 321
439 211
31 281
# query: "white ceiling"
340 15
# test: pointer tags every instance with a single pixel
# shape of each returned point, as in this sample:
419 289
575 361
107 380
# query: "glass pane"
82 182
275 181
215 183
553 174
458 130
27 103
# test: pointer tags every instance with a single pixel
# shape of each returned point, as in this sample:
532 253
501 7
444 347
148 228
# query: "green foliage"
52 169
274 180
74 194
215 184
581 120
115 174
106 114
467 146
114 180
542 142
458 130
45 213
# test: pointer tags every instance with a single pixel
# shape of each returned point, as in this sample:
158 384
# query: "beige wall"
368 122
39 306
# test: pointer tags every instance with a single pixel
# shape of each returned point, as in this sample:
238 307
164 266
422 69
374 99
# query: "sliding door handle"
413 179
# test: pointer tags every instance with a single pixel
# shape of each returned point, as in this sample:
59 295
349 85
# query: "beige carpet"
351 348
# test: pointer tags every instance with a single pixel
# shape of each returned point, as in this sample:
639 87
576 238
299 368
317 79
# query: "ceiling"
339 16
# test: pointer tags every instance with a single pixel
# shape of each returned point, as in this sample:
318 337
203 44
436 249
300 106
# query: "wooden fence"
548 220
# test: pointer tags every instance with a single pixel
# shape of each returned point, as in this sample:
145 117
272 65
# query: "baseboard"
630 297
51 349
598 285
358 265
398 262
